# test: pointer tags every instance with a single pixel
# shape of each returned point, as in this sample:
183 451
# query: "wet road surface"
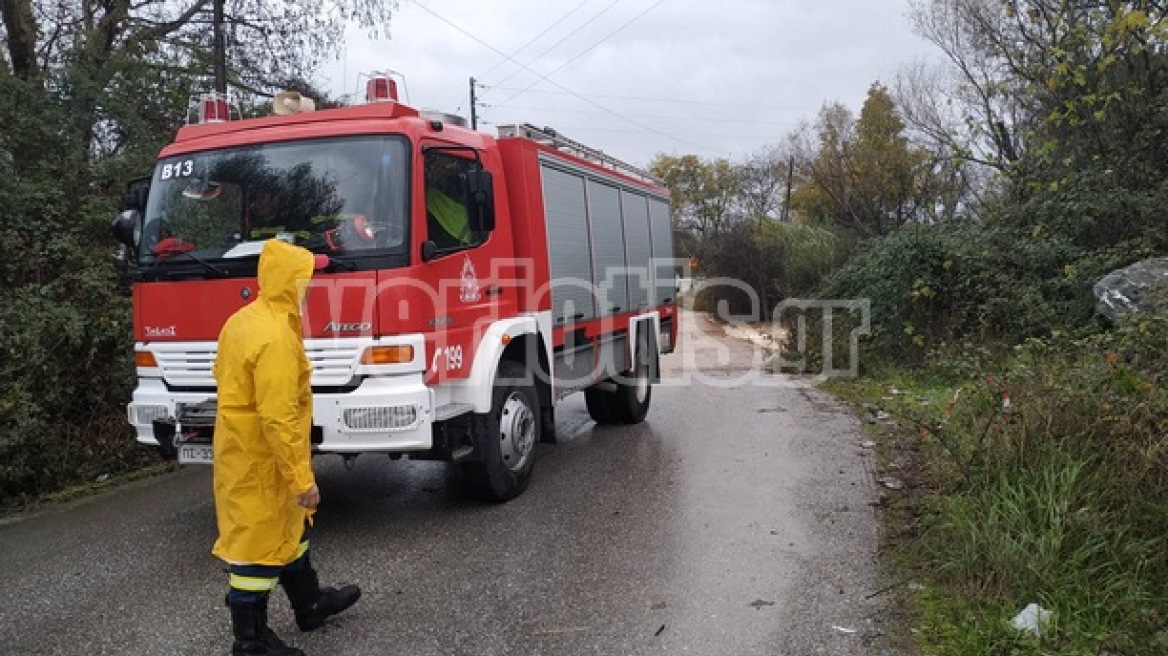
734 521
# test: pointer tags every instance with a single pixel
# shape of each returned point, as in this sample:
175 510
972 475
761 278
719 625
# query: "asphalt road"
734 521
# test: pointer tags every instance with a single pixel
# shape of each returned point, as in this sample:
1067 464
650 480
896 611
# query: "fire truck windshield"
340 196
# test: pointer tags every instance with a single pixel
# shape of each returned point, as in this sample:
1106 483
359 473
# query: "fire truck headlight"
146 414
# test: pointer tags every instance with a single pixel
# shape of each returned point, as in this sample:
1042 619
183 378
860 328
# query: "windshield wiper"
345 265
213 268
334 263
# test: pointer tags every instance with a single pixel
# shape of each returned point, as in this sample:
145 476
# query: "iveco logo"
337 327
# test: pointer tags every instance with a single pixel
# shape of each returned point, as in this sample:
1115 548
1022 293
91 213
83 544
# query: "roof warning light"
382 86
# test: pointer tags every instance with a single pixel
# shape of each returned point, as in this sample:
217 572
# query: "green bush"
65 334
66 374
775 261
933 286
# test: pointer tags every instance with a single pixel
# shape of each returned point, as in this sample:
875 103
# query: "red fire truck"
472 282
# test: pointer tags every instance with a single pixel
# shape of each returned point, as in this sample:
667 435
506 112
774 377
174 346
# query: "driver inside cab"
447 217
449 224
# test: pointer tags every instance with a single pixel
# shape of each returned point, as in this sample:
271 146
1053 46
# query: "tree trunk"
22 35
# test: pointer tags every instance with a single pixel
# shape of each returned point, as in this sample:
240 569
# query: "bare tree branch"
162 30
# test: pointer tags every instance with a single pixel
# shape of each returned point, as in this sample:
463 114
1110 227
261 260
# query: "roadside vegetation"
1034 476
1023 440
89 92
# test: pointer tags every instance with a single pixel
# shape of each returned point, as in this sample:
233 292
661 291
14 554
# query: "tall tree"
886 169
1066 100
107 57
704 192
762 181
967 174
863 174
20 33
992 104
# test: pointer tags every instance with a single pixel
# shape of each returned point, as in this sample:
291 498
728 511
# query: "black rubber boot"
311 603
253 637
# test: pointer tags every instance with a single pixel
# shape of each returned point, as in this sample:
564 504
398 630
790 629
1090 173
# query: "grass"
1059 498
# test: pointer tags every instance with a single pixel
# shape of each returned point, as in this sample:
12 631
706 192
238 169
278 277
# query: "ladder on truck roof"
550 137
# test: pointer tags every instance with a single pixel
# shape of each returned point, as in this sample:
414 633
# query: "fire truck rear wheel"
633 395
601 406
629 402
506 438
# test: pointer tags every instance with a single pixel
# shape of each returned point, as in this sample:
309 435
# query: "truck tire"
633 395
600 405
629 402
505 439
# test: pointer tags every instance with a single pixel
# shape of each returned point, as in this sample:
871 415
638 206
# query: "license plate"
194 454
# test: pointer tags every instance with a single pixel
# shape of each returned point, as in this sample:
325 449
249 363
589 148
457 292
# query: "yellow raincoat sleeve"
281 405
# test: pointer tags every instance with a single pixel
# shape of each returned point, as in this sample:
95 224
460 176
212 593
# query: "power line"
671 101
737 120
557 43
562 87
587 50
592 128
538 36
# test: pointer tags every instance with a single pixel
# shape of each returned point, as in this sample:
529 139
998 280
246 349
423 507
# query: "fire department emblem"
468 290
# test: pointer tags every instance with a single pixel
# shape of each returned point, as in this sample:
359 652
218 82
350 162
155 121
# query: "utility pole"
219 54
474 115
787 201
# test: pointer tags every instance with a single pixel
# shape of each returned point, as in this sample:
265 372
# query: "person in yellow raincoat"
265 491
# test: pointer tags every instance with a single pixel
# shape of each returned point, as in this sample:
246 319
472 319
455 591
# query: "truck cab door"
461 251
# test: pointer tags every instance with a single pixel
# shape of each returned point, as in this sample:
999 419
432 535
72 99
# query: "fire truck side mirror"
127 228
429 250
136 194
481 192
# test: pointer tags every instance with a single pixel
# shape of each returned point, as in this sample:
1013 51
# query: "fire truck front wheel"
506 438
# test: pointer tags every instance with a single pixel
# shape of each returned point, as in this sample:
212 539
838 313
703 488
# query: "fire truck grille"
383 418
333 364
186 368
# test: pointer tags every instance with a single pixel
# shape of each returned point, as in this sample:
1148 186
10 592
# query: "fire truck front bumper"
383 414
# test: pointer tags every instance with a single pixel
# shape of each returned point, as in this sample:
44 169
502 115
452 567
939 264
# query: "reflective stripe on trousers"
249 584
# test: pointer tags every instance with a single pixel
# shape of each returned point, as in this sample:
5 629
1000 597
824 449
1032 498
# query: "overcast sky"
635 78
